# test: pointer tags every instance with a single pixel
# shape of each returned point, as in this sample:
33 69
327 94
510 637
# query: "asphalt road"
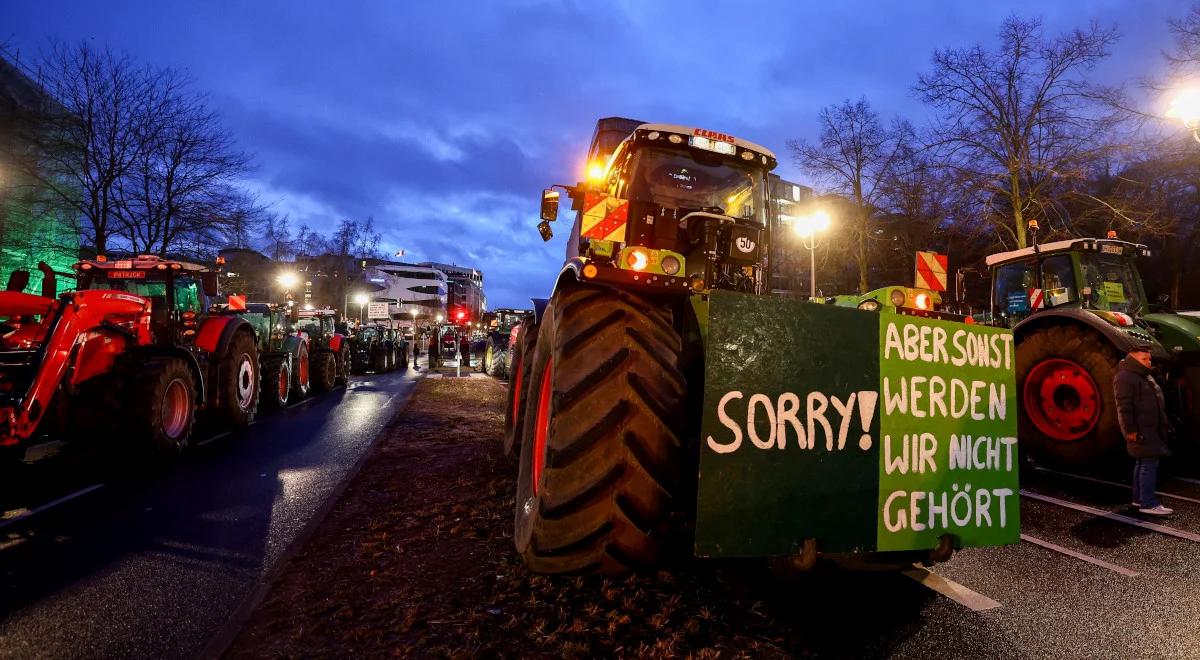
154 566
1081 585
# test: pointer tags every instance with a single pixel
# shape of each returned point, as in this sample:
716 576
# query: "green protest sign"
865 431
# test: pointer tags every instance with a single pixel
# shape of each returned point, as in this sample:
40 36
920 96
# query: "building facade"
788 260
464 290
406 287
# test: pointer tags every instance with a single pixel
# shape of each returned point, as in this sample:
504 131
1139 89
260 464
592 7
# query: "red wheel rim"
304 371
284 381
541 427
176 409
1062 399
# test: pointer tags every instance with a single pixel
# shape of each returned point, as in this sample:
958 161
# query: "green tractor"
1075 308
615 406
282 352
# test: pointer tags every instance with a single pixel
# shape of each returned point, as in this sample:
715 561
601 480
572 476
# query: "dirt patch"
416 559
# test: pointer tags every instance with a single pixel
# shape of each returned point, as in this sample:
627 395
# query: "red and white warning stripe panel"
604 217
931 271
1036 299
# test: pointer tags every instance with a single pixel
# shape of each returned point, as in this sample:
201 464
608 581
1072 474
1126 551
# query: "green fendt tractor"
661 394
282 351
1075 308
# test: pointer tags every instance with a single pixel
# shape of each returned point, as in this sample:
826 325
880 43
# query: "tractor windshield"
188 292
690 180
1113 281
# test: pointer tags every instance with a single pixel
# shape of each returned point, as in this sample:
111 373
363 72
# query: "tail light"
922 301
637 259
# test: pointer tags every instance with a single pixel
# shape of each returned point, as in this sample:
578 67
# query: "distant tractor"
132 357
1075 307
329 350
495 350
379 348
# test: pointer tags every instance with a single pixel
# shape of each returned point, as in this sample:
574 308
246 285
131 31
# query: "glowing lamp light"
288 280
439 318
1186 107
637 260
595 172
308 307
461 315
361 298
922 301
811 223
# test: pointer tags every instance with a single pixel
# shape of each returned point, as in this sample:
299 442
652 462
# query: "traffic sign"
931 271
377 310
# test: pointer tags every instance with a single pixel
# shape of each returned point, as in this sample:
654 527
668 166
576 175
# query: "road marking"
50 505
1079 555
1186 480
956 592
1154 527
1116 483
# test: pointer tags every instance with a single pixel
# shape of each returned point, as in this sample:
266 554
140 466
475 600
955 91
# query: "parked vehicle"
134 349
329 351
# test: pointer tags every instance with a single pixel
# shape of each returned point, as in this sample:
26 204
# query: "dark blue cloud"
443 120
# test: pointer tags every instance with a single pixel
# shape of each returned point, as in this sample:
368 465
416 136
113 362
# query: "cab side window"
1058 280
1010 295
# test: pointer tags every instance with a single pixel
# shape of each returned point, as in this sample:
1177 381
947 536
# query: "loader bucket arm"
47 347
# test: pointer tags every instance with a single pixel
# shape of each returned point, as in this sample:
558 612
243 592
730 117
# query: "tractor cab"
1098 275
179 292
672 208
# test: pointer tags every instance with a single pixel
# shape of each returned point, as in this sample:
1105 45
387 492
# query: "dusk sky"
443 120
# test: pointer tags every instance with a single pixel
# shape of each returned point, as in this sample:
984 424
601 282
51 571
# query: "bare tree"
183 182
1021 123
101 127
854 154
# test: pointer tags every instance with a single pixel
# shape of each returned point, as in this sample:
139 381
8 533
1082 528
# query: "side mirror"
545 231
549 205
209 282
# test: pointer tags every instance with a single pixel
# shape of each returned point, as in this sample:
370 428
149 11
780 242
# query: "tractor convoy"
143 346
134 348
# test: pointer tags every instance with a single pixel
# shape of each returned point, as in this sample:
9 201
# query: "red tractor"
134 349
329 349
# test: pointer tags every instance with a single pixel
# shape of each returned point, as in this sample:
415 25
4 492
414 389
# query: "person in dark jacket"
464 349
434 351
1142 415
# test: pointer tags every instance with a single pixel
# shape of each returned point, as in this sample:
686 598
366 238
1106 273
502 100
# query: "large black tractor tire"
378 359
276 382
402 357
238 389
301 373
518 390
389 356
498 367
604 416
161 405
1067 413
324 371
342 362
486 359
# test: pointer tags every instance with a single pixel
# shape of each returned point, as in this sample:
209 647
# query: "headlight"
670 265
637 259
897 297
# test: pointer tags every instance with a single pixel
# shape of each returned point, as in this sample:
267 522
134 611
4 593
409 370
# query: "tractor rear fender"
1119 339
335 343
292 344
214 337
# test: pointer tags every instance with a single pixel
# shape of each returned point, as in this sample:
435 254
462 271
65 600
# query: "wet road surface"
154 566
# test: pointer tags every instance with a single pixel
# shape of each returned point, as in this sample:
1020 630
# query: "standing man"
1142 414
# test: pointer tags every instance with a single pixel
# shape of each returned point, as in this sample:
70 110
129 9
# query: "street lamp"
807 226
288 280
362 300
1186 108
